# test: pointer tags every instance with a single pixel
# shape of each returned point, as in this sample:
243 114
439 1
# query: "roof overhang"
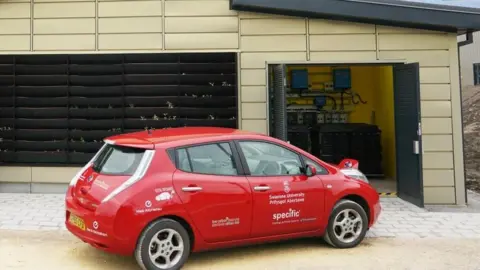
383 12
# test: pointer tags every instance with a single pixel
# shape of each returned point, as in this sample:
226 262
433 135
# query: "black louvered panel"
58 108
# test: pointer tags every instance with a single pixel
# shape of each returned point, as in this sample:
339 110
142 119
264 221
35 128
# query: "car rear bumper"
98 231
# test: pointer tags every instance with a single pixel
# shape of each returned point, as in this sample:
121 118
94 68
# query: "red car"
163 194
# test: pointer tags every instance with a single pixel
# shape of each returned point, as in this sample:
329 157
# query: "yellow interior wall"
385 119
375 86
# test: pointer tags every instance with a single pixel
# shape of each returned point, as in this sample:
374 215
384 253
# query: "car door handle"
191 189
261 188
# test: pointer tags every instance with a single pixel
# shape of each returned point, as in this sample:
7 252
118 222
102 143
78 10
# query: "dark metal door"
278 102
408 133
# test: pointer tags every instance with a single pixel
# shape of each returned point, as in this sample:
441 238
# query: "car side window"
268 159
320 169
214 159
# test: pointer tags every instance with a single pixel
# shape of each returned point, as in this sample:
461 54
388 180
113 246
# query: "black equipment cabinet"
334 142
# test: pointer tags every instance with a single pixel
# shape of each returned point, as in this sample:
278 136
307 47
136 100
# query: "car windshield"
118 160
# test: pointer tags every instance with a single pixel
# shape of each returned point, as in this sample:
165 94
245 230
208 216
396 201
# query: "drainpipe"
468 40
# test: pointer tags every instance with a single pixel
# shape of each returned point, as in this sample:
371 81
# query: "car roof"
179 136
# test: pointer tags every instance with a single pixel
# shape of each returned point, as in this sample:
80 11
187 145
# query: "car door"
284 199
214 193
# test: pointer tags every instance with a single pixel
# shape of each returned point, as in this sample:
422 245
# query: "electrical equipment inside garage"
57 109
322 107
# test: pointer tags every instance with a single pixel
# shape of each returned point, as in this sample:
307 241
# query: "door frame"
349 63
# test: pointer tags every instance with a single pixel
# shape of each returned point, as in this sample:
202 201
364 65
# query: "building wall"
469 54
57 26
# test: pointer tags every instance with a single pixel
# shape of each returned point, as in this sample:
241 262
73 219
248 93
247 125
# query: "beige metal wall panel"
253 77
457 120
130 25
15 174
130 9
439 195
198 8
64 43
61 175
259 126
254 110
64 10
201 41
438 160
339 27
436 126
254 15
436 178
401 30
435 75
354 42
437 143
426 58
14 26
273 27
201 24
436 109
343 56
258 60
253 93
273 43
413 42
64 26
15 43
435 91
49 1
14 10
130 41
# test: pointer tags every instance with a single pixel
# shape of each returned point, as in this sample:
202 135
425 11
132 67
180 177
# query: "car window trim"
244 160
235 155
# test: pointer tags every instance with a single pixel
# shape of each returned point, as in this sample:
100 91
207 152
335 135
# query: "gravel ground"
59 250
471 124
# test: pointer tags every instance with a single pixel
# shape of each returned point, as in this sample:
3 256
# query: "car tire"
151 243
354 228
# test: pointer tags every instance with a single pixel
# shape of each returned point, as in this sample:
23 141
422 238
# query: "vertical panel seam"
239 71
96 26
377 50
163 25
307 27
31 23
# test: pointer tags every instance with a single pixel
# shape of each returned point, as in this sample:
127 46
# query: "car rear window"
118 160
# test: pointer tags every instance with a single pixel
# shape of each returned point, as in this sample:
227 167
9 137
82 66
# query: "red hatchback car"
163 194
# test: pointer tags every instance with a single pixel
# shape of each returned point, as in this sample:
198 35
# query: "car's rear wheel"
347 225
163 245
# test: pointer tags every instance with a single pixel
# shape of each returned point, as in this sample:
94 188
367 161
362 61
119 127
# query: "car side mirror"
310 170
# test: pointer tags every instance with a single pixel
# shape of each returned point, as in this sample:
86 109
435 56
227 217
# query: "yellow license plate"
76 221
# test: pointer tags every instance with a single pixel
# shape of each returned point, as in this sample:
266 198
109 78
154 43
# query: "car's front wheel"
164 245
347 225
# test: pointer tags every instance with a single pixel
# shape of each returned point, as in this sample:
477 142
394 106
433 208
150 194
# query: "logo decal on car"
95 225
286 186
164 196
148 204
225 222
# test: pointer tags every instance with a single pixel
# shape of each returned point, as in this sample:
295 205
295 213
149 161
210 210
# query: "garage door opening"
56 109
369 112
